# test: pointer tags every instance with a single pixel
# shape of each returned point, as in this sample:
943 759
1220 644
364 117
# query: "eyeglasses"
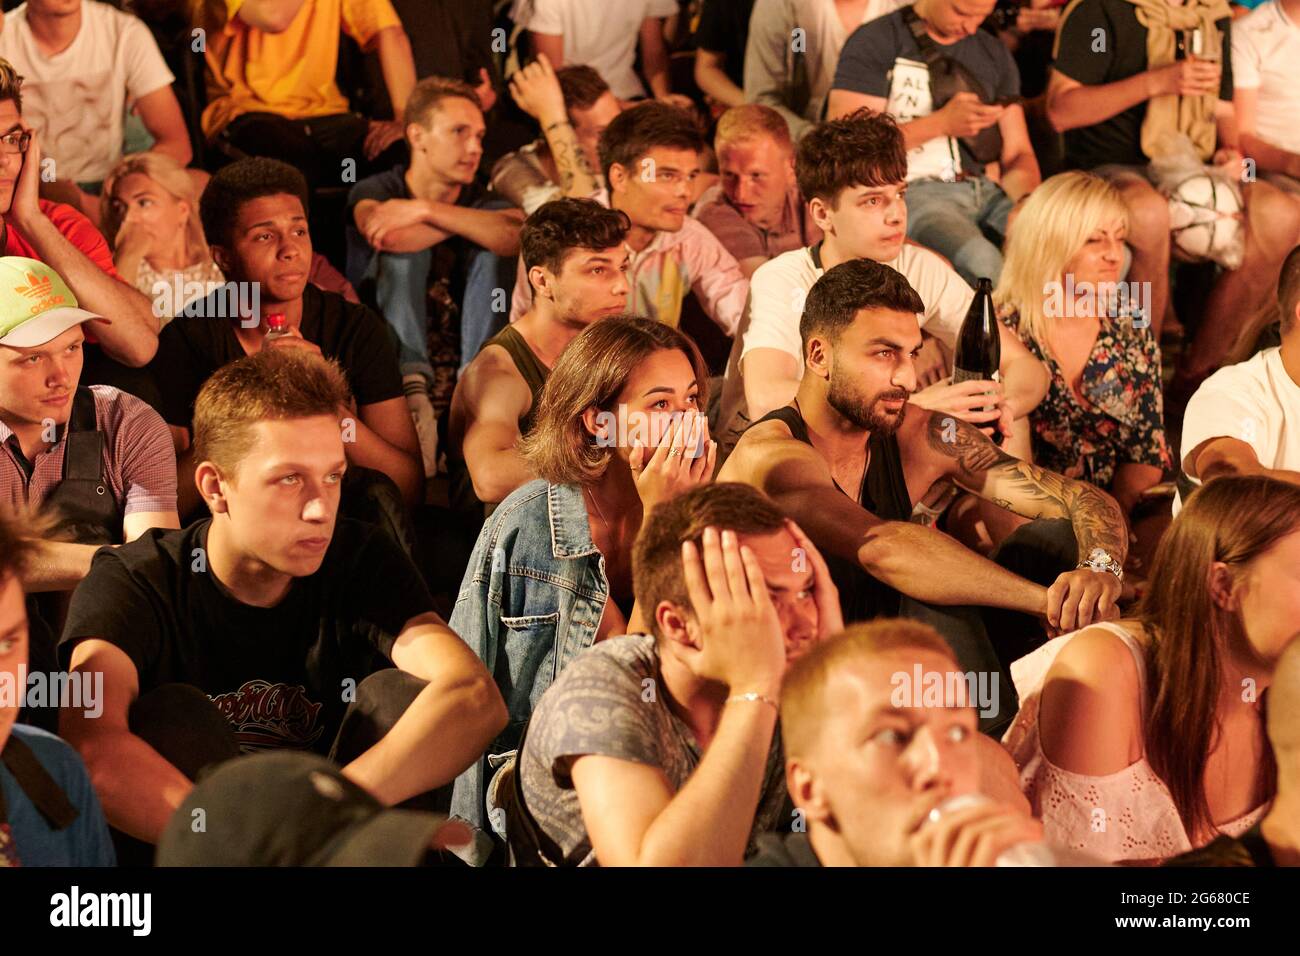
15 142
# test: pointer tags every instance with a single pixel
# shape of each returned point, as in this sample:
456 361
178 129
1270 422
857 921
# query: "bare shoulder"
768 455
1099 659
491 370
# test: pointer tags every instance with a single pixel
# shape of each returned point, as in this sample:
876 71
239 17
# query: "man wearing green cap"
98 461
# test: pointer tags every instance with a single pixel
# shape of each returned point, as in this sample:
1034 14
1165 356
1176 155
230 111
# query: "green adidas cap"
36 305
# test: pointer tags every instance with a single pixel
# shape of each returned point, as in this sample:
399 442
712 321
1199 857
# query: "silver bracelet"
751 697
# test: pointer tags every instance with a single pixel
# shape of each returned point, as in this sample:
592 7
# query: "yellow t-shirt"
289 73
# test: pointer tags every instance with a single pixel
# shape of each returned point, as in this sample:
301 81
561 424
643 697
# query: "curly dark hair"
836 298
562 225
241 182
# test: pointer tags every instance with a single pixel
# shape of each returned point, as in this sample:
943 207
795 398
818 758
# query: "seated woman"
1102 419
1143 738
151 220
619 428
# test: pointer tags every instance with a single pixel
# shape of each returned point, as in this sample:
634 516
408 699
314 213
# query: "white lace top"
1127 815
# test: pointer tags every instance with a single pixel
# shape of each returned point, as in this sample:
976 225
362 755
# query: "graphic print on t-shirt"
909 99
266 716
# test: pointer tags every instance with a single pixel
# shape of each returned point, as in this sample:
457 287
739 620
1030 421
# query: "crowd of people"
457 432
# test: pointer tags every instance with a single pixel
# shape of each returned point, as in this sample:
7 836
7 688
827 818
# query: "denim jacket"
531 600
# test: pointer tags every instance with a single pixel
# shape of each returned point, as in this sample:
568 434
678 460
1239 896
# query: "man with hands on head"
660 749
847 458
64 239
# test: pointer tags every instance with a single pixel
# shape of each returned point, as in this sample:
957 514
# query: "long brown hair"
1233 520
590 372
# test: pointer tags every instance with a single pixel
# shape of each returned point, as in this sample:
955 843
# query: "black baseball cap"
288 808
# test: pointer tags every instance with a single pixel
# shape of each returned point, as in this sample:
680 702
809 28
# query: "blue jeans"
952 219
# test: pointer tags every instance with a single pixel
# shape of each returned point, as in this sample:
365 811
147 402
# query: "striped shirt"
139 459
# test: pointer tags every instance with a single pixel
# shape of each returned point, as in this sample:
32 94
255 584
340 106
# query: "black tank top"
884 494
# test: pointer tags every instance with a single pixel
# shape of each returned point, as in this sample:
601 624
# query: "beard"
868 414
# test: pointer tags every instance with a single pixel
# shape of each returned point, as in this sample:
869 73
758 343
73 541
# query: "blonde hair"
1050 229
590 373
803 689
174 180
750 121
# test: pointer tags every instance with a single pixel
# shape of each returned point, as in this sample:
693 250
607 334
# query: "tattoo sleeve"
576 177
1032 492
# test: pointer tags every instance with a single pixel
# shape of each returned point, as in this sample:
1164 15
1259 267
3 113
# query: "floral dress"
1123 421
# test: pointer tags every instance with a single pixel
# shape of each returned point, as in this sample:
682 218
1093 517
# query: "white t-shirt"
777 291
77 100
1255 401
598 33
1266 57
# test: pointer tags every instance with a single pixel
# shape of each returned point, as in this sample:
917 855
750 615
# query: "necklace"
601 514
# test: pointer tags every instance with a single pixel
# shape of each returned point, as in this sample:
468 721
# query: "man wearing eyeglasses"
65 240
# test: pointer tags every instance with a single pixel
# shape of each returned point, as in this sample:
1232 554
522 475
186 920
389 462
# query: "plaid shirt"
139 459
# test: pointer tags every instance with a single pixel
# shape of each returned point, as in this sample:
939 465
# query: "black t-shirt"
724 28
869 64
193 347
276 673
1103 42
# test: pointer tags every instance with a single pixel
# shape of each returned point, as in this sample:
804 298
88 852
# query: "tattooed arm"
537 90
1079 597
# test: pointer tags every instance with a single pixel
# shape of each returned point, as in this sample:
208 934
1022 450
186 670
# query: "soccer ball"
1205 220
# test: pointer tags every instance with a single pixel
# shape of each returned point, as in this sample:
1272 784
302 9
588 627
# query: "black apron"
884 494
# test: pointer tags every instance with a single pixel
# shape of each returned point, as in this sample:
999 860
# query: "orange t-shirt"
289 73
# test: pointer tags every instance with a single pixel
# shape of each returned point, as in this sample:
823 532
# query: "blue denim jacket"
531 600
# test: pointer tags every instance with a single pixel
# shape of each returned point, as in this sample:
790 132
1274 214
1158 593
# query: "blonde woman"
151 218
1102 419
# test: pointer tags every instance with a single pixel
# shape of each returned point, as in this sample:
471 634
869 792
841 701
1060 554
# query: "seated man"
853 173
577 263
1265 99
416 243
847 461
758 213
795 80
1115 106
271 68
254 215
257 627
604 36
573 107
1245 418
660 749
953 207
63 238
650 156
1275 840
86 66
65 445
52 816
911 754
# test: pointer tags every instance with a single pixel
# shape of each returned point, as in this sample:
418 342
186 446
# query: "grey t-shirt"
610 701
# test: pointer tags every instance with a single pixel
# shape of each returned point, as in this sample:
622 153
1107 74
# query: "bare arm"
917 131
537 91
409 225
397 64
918 561
1267 156
713 80
1071 104
400 239
551 44
161 114
634 818
771 379
1020 173
448 725
270 16
1131 479
494 398
1231 456
654 57
386 441
1025 379
137 787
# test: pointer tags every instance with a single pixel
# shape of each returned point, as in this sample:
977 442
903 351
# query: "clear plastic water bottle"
1022 854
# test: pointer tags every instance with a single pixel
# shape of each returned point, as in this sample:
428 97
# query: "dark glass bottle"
979 349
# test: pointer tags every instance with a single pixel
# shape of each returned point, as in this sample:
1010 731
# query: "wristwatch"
1099 560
